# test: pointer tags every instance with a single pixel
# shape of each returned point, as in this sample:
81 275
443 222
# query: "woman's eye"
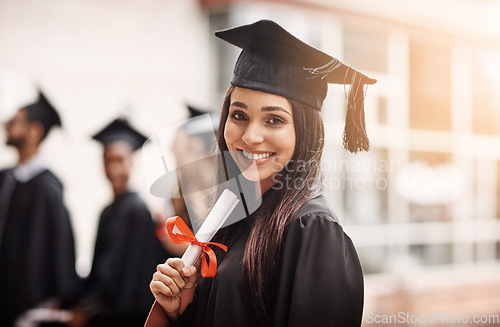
276 121
238 116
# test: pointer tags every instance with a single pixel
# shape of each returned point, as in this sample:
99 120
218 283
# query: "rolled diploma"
215 219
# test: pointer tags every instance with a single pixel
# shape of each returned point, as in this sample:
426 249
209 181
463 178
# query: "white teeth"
252 156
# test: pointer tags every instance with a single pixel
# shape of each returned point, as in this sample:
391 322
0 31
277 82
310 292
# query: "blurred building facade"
423 205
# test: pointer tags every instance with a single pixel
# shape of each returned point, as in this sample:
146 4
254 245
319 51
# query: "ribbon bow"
186 236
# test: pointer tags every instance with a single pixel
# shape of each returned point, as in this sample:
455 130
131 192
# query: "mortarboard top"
198 126
274 61
202 127
120 130
195 112
42 111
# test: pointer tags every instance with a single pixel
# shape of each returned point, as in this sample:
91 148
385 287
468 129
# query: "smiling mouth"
257 156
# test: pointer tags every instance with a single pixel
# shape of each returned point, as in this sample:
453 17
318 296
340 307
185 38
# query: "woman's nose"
253 134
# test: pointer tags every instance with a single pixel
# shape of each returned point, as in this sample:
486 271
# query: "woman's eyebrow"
242 105
239 105
275 108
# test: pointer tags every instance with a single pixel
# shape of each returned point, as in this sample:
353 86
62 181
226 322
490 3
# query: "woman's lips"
259 158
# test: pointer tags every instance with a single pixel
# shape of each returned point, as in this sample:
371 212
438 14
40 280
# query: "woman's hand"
169 280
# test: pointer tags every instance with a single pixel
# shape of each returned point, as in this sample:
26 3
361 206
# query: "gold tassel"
355 137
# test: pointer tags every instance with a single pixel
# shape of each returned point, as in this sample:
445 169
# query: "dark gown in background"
37 255
320 281
126 254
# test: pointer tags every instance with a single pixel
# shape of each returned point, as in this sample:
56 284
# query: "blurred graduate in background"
37 254
125 238
193 143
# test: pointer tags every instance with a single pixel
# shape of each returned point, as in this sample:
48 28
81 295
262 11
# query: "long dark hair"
261 257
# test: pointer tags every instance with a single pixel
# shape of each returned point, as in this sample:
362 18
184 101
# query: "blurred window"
486 98
497 197
364 179
432 254
430 84
365 49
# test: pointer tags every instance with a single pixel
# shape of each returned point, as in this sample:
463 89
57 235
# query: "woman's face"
260 129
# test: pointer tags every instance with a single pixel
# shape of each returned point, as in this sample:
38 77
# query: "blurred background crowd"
422 206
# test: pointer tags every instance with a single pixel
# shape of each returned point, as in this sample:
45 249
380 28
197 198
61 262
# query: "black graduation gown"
37 256
320 281
125 258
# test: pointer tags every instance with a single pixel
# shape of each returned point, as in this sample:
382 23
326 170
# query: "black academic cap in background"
274 61
120 130
197 126
44 112
195 112
203 128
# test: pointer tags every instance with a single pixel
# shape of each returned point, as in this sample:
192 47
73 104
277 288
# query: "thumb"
190 275
189 271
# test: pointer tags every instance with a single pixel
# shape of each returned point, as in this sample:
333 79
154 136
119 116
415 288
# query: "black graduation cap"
120 130
44 112
274 61
196 126
195 112
200 127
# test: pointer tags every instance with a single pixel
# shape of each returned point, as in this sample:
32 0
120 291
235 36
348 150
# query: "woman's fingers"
169 280
158 287
164 284
190 275
172 277
178 265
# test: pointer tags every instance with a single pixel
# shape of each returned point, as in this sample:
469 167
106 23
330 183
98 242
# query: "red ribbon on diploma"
207 269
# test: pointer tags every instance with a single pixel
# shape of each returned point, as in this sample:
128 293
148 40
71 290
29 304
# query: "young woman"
289 263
